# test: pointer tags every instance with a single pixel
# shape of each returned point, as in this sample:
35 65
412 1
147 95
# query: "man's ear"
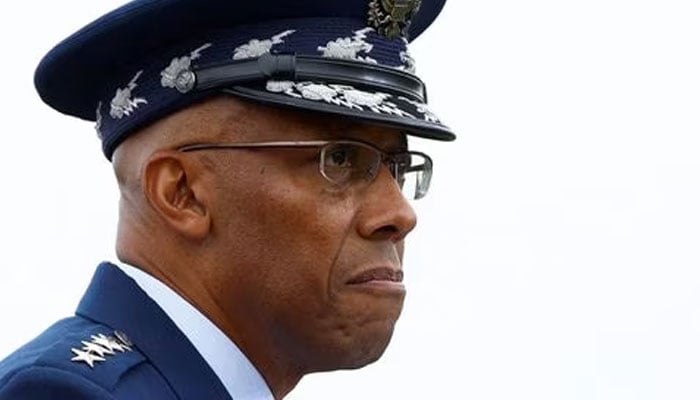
174 189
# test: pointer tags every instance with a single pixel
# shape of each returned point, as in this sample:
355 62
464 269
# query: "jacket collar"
115 300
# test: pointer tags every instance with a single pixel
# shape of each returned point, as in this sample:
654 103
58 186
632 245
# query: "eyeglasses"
348 162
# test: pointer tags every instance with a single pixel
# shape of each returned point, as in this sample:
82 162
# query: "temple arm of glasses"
214 146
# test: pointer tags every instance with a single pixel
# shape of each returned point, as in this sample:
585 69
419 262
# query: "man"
261 154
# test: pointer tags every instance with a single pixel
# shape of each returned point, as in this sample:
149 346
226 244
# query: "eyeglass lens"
345 163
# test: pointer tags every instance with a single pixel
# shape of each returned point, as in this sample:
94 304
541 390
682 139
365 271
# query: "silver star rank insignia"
100 347
86 356
392 18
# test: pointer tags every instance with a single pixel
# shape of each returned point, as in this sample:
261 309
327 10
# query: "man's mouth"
384 274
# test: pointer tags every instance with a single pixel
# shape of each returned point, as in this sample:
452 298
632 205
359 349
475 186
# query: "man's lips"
384 274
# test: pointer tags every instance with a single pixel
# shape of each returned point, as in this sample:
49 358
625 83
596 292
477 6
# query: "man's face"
297 263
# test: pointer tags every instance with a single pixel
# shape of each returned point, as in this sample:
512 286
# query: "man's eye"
340 157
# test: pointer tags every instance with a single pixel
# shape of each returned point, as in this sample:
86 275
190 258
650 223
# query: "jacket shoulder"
74 357
44 383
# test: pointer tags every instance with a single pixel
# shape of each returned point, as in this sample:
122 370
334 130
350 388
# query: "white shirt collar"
235 371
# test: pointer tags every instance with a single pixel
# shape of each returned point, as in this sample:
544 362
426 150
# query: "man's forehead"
227 118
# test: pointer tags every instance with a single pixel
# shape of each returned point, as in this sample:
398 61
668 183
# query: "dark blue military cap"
150 58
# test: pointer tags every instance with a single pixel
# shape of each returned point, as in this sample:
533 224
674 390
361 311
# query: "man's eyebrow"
397 143
390 141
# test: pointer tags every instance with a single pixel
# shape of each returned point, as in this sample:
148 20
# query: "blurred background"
557 255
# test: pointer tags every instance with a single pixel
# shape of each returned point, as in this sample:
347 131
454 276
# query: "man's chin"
358 353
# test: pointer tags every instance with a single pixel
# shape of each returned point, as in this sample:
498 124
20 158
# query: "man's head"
261 161
295 268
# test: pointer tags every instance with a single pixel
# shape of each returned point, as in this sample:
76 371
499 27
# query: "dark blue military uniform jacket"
135 350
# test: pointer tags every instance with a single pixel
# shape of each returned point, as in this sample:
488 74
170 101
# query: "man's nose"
385 212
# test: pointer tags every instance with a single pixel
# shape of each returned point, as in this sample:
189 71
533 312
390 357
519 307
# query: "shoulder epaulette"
99 354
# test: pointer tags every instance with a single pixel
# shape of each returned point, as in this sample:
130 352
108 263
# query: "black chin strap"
304 68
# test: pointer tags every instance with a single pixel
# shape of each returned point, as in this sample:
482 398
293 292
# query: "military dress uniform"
89 356
132 337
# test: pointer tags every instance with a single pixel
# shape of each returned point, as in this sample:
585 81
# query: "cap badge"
176 75
348 48
123 104
256 48
392 18
100 347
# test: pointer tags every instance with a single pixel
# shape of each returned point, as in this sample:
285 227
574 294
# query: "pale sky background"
557 254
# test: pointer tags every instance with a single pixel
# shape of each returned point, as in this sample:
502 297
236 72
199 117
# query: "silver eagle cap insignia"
392 18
